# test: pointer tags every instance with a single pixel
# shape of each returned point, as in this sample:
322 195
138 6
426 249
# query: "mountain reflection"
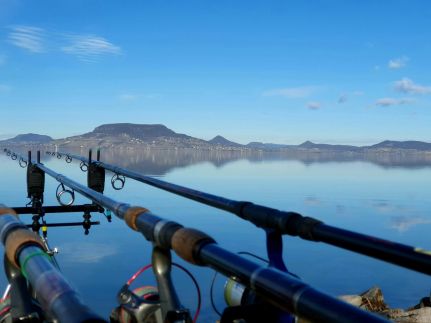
160 162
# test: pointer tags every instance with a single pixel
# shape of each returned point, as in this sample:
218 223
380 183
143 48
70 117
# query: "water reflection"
160 162
389 199
404 223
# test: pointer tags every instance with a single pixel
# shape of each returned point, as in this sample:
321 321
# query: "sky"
335 71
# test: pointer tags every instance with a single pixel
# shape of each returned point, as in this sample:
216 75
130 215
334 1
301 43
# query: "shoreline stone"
372 300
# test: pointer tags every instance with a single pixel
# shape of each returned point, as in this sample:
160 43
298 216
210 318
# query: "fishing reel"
139 305
244 305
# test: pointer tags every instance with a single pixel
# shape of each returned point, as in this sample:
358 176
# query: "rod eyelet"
59 193
118 181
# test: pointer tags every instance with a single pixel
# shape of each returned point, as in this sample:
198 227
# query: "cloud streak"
84 47
313 105
345 96
128 97
90 47
406 85
28 38
342 98
398 63
291 92
4 88
386 102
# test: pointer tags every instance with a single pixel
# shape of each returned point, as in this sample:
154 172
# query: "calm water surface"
392 202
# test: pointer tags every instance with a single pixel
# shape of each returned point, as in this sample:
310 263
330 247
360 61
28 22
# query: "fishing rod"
277 288
26 259
290 223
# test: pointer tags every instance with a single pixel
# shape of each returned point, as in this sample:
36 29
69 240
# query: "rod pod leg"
22 308
172 310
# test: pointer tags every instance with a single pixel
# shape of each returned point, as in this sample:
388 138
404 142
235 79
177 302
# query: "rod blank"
292 223
277 287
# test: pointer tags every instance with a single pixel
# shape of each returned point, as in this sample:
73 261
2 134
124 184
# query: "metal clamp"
120 180
61 193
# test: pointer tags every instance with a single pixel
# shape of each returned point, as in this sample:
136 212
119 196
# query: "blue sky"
276 71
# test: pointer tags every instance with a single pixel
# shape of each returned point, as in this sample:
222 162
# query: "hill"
221 141
158 136
28 138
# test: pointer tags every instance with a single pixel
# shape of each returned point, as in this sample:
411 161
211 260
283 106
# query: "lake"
389 199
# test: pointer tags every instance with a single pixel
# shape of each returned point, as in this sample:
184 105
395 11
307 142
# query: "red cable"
198 309
140 271
5 310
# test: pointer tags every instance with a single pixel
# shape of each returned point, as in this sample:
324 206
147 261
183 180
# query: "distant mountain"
417 145
29 138
158 136
312 145
221 141
130 135
138 131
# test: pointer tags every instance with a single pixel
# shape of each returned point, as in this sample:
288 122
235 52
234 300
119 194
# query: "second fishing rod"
290 223
280 289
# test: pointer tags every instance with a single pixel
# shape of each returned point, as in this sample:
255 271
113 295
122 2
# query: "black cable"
212 296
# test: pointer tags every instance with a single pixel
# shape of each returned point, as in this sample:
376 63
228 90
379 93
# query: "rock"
420 315
372 300
354 300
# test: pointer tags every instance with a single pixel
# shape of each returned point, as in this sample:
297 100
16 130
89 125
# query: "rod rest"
290 223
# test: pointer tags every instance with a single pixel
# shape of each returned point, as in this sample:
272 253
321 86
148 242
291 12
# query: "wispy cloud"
128 97
406 85
38 40
345 96
132 97
27 37
90 47
386 102
342 98
292 92
404 223
5 88
397 63
313 105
